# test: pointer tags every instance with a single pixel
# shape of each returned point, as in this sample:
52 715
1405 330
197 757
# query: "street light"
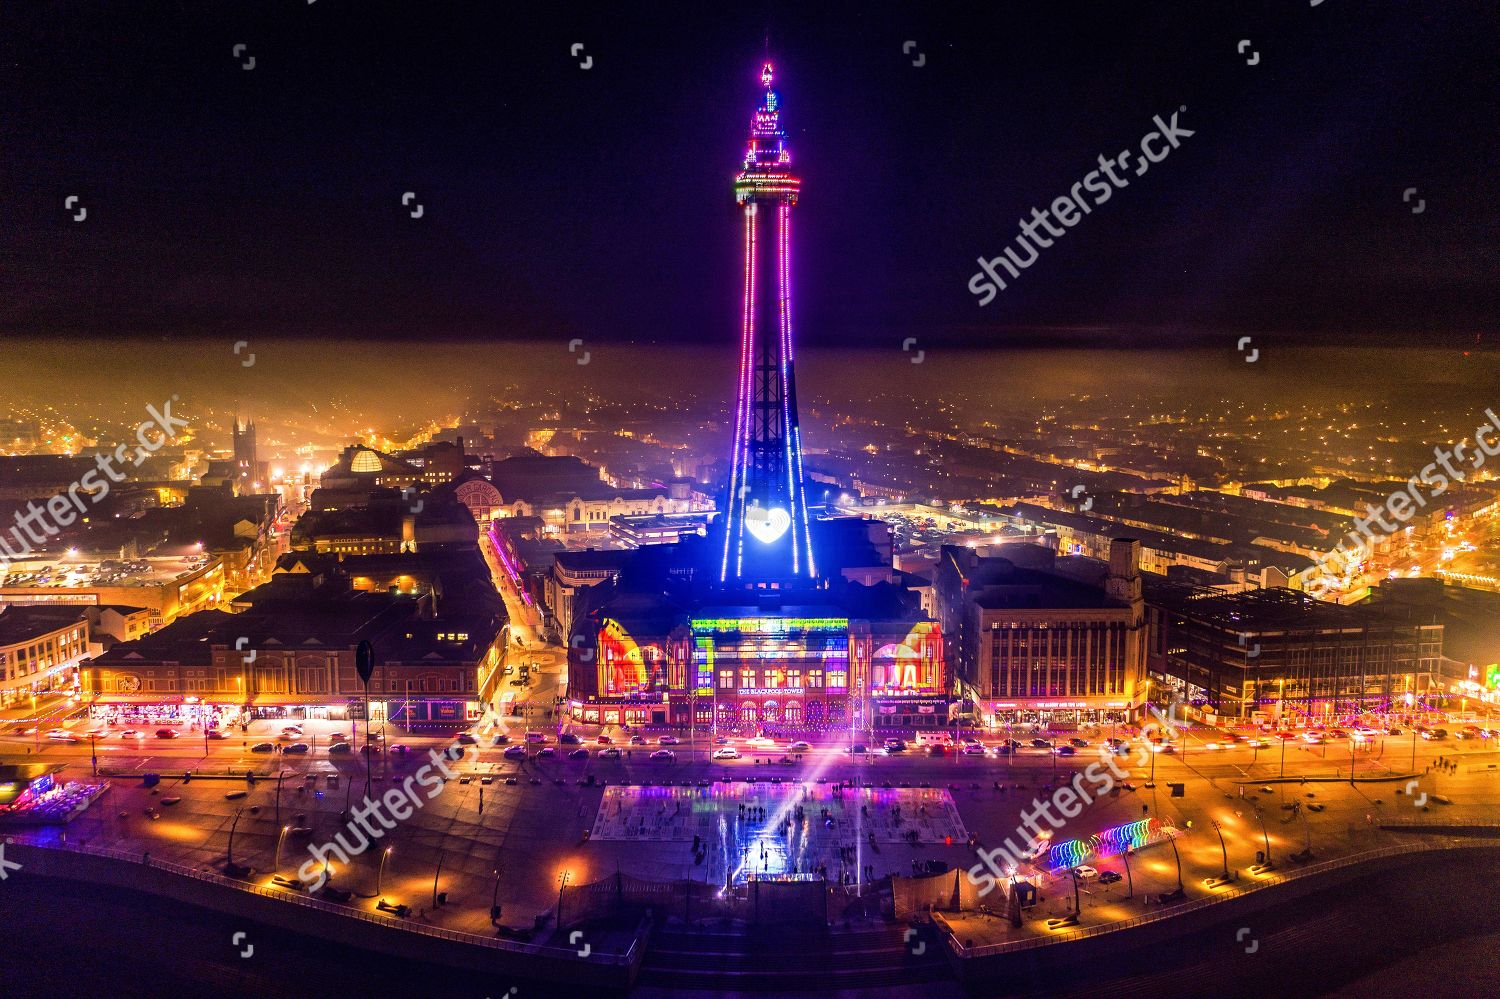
495 899
380 872
562 882
1222 847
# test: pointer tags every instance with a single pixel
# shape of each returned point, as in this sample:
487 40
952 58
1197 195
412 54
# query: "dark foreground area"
1424 928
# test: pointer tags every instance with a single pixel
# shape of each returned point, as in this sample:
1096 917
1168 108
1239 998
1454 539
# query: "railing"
457 936
1172 912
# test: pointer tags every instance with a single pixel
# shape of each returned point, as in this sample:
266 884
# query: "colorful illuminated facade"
734 668
766 540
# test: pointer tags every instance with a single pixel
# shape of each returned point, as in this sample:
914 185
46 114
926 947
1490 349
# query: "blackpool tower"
766 541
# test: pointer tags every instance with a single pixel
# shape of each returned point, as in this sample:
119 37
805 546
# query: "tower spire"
766 537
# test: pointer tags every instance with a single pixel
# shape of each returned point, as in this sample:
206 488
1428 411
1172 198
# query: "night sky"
558 201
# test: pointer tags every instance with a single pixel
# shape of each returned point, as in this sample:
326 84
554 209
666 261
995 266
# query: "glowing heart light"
766 524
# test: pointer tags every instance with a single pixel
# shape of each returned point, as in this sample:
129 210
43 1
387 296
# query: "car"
637 740
1393 730
726 753
167 733
515 752
295 729
400 748
1003 750
578 754
263 747
609 753
1465 735
296 747
1110 877
667 740
509 669
1439 734
547 751
973 749
664 756
569 739
1312 738
500 740
465 739
1079 743
895 744
339 747
536 738
1066 751
1254 743
214 733
604 740
1040 744
937 749
288 736
894 750
722 740
59 736
518 683
799 747
1432 735
858 748
1085 873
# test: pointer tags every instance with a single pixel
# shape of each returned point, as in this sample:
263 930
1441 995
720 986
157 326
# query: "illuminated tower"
766 540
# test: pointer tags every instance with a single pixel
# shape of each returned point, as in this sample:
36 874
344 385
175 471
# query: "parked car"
338 747
1085 873
609 753
726 753
296 747
263 747
664 756
547 751
578 754
1110 877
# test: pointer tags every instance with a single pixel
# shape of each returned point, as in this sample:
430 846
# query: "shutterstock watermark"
1403 504
1095 781
38 524
1155 146
400 802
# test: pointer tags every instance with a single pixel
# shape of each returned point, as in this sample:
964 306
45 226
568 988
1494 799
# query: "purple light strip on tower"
741 427
783 220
